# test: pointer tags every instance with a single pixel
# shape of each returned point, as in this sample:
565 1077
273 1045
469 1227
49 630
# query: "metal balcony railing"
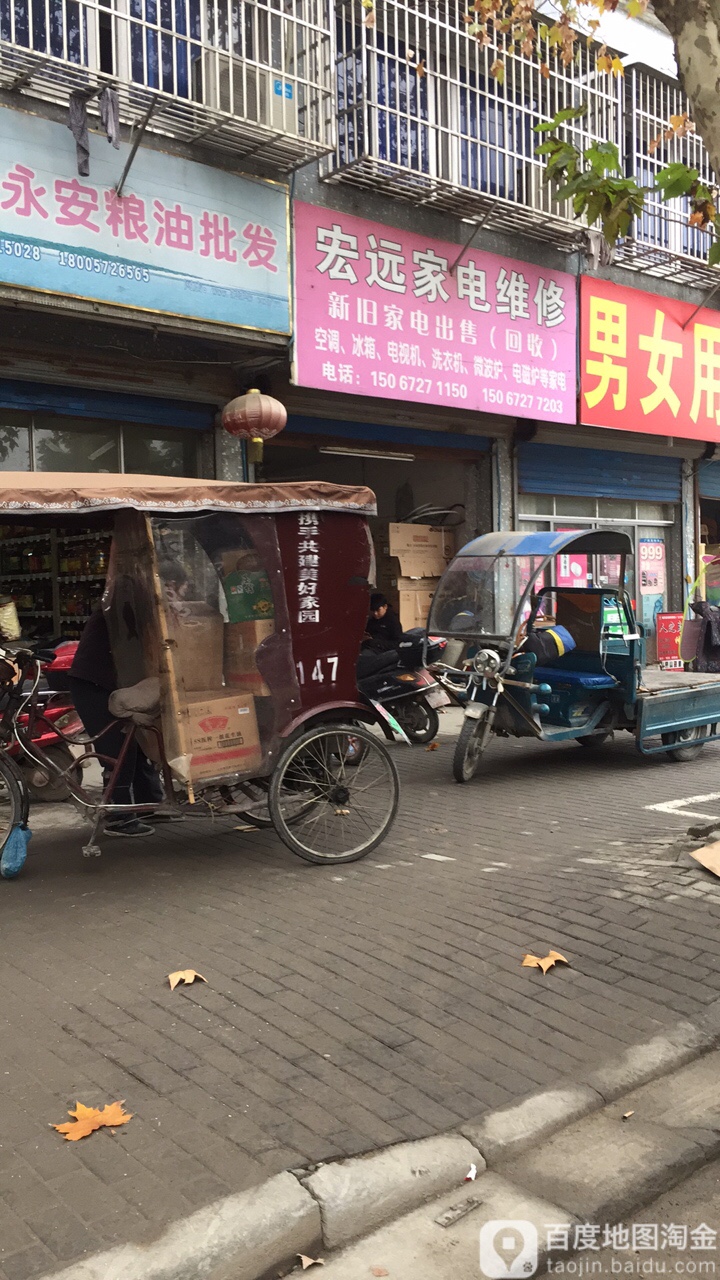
662 243
252 77
421 117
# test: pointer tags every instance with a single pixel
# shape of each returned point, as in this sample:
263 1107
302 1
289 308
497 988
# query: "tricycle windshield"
478 595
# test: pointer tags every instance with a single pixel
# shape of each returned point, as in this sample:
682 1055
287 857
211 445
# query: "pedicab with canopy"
235 614
500 592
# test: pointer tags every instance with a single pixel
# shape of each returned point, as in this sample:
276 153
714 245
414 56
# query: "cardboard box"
195 631
412 550
241 642
221 735
411 598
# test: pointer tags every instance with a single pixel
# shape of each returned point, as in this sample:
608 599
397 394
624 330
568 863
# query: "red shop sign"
641 371
669 626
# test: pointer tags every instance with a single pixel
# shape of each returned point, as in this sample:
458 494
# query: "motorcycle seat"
560 678
369 664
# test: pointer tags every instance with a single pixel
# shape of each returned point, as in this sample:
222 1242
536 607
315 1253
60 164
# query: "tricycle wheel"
325 812
594 740
685 752
468 750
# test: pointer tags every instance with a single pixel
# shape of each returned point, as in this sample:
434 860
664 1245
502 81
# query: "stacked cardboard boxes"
410 561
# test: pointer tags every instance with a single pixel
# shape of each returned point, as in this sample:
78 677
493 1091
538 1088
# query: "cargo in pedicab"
234 615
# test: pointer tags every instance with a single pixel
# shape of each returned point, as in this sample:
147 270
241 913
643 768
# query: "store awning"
71 493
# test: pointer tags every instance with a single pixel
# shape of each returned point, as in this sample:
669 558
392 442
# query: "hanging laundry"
110 115
77 124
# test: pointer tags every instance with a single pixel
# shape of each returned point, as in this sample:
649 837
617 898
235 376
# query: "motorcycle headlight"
487 662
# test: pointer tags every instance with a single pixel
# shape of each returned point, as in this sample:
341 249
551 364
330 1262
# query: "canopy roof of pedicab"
609 542
64 493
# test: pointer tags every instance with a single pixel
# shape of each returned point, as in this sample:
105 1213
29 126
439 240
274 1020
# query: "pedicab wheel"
323 810
468 750
680 742
257 813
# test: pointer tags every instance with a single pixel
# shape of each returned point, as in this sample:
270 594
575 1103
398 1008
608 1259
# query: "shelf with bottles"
86 558
35 613
27 560
26 577
19 539
35 599
82 577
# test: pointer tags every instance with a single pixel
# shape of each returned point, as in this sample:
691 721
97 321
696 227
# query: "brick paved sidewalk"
345 1008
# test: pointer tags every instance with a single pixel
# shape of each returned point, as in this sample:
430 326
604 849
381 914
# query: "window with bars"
420 112
262 64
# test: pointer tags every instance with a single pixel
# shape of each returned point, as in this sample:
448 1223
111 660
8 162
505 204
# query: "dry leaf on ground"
709 857
433 746
184 975
543 962
87 1119
310 1262
379 1271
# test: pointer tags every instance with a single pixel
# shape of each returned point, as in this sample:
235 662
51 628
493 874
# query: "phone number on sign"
16 249
83 262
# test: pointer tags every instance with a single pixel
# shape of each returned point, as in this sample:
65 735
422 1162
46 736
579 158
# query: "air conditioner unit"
251 93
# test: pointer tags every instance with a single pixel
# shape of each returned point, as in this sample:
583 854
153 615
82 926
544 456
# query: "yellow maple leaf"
543 962
87 1119
186 976
616 66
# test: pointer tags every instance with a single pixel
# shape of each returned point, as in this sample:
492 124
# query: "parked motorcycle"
400 683
57 711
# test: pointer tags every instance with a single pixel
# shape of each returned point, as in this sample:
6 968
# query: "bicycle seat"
139 702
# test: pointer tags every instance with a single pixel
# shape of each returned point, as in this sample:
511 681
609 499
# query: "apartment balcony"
254 78
662 243
421 117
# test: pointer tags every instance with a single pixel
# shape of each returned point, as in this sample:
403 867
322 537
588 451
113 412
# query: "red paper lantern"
254 416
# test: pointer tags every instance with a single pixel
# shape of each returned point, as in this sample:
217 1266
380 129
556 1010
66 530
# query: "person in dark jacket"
383 631
92 679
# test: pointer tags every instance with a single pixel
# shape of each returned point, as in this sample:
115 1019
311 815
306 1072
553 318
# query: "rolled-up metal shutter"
709 479
598 473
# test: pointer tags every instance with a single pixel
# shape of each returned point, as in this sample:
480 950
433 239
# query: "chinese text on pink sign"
380 312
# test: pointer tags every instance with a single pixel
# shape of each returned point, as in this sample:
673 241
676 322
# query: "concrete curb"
260 1231
357 1195
243 1237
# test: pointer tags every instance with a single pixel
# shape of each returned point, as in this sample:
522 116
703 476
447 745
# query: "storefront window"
14 443
575 506
158 453
613 509
87 447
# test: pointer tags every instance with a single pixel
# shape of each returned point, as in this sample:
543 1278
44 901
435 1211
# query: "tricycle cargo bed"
655 681
670 702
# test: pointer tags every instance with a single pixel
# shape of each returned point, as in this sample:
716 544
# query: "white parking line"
677 807
436 857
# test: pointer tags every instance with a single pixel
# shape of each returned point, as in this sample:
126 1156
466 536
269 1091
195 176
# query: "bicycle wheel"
14 807
324 811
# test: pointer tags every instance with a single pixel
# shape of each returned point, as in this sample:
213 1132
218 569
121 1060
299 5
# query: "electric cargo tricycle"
496 600
234 615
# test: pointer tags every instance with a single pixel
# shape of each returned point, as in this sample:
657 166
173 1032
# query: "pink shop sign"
379 312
